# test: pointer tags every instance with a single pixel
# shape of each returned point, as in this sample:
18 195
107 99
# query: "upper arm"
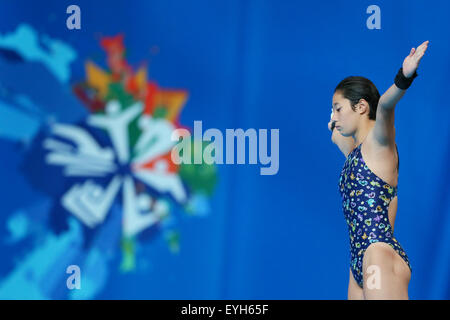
383 130
345 144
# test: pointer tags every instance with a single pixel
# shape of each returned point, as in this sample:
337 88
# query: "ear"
363 106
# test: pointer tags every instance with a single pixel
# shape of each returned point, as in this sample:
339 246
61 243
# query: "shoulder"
381 159
374 148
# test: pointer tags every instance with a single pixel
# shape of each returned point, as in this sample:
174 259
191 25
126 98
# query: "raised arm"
384 125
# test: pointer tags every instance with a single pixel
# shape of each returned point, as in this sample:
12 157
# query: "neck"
362 132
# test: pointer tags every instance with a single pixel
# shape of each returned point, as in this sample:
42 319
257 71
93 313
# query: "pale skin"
380 154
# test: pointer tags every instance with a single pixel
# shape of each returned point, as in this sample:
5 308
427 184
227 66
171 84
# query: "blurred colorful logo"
106 176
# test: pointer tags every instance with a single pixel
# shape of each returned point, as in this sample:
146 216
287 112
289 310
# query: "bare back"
383 162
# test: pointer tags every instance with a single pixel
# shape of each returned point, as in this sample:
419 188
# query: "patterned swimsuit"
365 201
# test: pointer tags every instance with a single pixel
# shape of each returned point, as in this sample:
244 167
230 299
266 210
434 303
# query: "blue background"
273 64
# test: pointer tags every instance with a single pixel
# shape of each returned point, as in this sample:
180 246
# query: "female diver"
362 125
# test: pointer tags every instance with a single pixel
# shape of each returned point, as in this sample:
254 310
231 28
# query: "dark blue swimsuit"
365 201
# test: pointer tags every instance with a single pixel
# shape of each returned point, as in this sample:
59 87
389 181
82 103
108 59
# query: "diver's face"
345 118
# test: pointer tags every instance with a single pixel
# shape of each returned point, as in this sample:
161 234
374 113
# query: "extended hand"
411 62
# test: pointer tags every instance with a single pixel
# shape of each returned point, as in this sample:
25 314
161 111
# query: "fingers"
421 50
423 46
331 125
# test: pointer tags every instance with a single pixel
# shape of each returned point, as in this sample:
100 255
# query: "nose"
333 116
